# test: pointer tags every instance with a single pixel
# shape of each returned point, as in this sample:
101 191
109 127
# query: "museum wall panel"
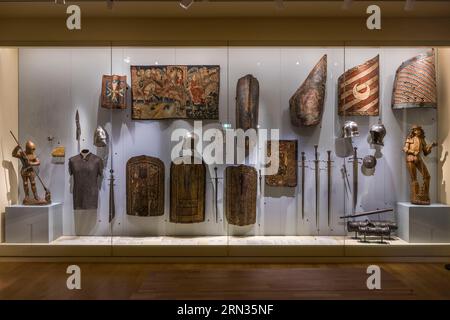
443 125
238 31
9 87
56 82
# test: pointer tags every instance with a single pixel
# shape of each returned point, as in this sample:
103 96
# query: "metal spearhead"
77 123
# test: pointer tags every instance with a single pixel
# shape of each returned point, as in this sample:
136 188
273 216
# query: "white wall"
56 82
8 121
444 127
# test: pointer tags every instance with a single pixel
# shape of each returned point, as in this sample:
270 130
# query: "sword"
112 204
316 170
303 185
329 186
48 196
216 194
260 197
355 179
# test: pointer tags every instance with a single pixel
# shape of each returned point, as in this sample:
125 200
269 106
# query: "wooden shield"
114 92
415 83
240 195
145 186
306 105
359 90
187 193
247 102
287 170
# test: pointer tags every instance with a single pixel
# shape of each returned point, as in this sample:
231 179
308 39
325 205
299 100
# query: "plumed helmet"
30 147
377 133
369 162
350 129
100 137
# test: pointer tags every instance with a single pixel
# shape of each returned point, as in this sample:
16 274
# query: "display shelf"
223 247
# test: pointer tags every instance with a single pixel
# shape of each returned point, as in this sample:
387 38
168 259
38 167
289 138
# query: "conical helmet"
350 129
377 133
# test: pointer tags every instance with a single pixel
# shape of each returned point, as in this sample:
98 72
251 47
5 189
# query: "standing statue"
29 162
415 144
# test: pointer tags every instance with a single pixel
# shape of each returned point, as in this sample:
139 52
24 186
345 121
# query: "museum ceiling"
217 8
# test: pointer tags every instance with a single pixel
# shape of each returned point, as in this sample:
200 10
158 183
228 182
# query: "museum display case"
352 130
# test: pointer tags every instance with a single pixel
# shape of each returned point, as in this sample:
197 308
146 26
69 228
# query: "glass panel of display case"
378 166
175 94
356 162
59 111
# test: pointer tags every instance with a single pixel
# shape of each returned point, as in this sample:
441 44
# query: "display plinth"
33 224
423 224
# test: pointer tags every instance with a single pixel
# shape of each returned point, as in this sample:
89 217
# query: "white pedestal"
33 224
423 224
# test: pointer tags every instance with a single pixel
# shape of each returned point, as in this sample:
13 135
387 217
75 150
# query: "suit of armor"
28 160
414 145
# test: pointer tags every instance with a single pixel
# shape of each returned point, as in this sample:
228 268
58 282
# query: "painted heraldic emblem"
114 92
359 90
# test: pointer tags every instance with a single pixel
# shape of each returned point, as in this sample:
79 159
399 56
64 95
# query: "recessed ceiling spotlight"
279 4
409 5
347 4
185 4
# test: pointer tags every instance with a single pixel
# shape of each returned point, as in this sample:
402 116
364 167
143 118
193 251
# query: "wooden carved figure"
414 145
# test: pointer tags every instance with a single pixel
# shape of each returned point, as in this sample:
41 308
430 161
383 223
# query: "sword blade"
316 170
355 178
303 185
329 187
216 194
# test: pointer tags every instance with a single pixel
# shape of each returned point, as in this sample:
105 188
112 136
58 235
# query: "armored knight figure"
29 161
415 144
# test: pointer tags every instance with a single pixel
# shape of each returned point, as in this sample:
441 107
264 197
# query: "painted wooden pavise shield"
240 195
415 83
187 192
247 102
306 105
175 92
358 90
145 186
287 170
114 92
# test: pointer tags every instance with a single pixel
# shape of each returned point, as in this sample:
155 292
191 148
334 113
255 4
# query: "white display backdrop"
55 82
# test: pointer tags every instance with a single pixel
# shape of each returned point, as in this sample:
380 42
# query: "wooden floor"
223 281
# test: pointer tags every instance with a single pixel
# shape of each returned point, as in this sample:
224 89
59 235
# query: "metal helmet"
350 129
100 137
30 147
377 133
369 162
